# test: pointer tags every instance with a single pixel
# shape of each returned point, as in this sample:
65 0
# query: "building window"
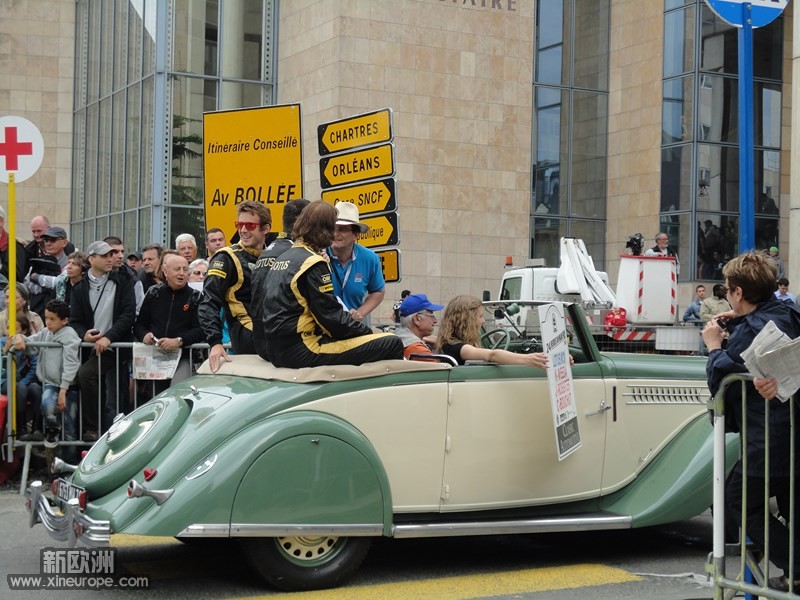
700 136
219 55
570 126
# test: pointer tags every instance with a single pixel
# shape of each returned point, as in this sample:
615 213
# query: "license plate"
66 491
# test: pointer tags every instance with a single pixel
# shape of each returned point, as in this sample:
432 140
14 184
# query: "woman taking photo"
460 337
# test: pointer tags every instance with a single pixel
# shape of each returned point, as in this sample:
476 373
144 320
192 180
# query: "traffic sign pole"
11 309
747 231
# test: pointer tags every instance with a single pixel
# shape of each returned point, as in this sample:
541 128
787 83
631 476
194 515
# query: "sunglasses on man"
246 225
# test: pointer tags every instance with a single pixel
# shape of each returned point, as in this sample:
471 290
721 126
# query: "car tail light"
84 453
82 499
54 487
149 473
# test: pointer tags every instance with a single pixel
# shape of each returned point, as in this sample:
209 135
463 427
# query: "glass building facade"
700 136
570 126
146 71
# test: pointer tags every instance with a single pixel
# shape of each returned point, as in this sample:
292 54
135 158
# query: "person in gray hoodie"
56 369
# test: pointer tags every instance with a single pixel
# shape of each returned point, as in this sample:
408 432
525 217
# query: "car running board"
582 522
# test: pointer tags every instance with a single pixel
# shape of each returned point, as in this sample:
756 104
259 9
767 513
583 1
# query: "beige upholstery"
252 365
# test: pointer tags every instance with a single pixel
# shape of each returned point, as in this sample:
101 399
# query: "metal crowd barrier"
127 394
753 571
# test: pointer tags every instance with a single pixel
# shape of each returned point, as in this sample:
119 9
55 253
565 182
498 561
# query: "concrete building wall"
37 50
458 78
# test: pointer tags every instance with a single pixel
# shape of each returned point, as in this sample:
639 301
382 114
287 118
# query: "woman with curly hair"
460 336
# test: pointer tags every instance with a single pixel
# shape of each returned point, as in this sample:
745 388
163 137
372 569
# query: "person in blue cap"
416 323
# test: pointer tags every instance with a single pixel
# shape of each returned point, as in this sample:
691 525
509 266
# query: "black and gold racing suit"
304 323
228 287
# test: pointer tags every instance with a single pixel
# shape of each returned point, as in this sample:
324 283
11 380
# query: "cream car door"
500 448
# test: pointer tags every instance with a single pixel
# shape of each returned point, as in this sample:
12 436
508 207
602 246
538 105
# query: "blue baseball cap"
415 303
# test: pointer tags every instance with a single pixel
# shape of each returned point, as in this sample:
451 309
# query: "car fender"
322 471
677 484
256 475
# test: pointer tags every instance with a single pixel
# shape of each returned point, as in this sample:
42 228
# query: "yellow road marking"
476 586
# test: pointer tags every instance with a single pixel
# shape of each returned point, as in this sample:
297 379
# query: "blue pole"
747 228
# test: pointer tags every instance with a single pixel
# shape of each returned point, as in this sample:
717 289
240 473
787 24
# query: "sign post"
747 14
357 165
22 147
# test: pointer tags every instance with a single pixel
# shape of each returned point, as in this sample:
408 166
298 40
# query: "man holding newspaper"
757 324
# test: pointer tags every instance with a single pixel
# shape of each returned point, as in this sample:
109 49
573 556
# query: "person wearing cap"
228 287
45 270
134 260
357 276
780 269
303 322
102 312
416 323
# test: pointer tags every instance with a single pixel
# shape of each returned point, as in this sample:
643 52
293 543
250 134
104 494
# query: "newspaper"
774 354
150 362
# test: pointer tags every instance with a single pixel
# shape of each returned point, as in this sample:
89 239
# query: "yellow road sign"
251 154
390 265
360 165
355 132
382 231
370 198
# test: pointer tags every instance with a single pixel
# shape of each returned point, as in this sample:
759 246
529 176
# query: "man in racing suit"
228 285
302 319
281 244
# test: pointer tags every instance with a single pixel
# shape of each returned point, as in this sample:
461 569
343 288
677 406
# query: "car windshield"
521 322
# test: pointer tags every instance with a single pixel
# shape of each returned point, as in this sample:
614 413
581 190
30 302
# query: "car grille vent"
667 394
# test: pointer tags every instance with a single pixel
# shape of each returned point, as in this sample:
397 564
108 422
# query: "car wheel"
306 562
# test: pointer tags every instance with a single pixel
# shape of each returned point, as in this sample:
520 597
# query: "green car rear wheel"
305 562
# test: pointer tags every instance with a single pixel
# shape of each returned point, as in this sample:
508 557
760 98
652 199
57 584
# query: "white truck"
642 312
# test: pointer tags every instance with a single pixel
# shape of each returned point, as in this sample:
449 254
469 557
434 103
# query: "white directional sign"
21 148
762 12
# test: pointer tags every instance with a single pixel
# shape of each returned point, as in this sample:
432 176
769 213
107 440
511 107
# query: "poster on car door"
559 376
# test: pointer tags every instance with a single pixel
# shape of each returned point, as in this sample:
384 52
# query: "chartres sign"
251 154
370 198
354 132
21 148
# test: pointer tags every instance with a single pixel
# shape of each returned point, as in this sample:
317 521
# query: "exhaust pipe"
137 490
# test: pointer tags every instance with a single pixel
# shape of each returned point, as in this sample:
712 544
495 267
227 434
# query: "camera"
635 243
723 323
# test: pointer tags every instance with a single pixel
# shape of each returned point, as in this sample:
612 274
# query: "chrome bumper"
71 526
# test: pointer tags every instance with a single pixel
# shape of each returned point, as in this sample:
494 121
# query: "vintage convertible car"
305 467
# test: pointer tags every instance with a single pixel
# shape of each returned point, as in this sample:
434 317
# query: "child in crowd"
29 391
57 369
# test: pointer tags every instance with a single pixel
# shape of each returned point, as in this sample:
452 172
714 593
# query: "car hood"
653 366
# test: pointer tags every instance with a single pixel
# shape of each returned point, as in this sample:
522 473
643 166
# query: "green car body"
306 466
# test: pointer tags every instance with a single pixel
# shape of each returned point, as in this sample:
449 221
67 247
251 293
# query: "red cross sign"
21 148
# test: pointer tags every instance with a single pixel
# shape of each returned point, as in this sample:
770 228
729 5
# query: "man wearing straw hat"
357 277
